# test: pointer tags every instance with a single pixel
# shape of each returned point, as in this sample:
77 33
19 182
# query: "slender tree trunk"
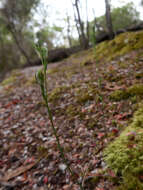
87 22
109 20
21 49
95 24
3 55
76 22
11 27
69 31
84 42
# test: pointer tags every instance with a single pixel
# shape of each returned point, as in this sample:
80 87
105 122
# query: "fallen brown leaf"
17 172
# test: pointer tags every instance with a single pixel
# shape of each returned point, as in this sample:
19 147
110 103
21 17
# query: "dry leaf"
17 172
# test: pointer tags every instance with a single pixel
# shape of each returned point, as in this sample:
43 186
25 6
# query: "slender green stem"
55 134
43 85
54 129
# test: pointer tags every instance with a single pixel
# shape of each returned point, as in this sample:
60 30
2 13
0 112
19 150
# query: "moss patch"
123 65
72 111
12 78
53 70
87 62
57 93
113 77
86 93
91 181
91 123
139 75
83 53
9 80
125 154
122 44
135 90
31 81
119 95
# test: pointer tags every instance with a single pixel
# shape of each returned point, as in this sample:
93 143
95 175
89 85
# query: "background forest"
23 23
71 95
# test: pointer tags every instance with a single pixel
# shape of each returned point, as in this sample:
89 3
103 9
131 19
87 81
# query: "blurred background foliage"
20 28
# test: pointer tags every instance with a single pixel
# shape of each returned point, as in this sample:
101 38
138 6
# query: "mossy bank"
133 91
125 155
122 44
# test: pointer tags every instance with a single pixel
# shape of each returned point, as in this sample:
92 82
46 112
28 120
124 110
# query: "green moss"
123 65
71 111
85 94
135 90
112 77
82 98
74 110
131 183
83 53
134 99
70 73
43 152
31 81
119 95
57 93
125 154
139 75
88 60
53 70
91 182
92 123
9 80
12 78
122 44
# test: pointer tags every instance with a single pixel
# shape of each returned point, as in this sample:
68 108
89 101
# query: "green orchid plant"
41 79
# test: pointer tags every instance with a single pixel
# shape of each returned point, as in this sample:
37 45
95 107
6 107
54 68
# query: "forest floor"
86 114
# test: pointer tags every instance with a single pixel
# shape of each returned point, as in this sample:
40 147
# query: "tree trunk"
3 55
10 24
109 20
87 22
95 24
76 22
69 31
21 49
84 41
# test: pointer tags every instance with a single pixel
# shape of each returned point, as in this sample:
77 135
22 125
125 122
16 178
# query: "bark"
12 29
3 56
95 24
87 22
84 41
69 31
109 20
21 49
76 22
57 55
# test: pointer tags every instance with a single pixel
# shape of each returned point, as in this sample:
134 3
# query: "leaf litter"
29 157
